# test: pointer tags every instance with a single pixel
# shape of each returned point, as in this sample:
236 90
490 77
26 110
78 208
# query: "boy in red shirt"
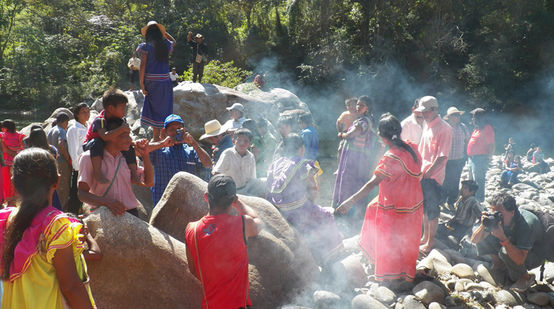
217 247
114 102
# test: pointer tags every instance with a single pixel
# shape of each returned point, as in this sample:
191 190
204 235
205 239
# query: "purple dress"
354 162
158 103
287 184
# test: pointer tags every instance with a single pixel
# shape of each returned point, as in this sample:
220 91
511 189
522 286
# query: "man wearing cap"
216 135
217 246
178 152
457 157
435 149
174 76
412 126
200 54
480 149
236 113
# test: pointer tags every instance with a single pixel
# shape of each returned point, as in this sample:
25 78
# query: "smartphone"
179 136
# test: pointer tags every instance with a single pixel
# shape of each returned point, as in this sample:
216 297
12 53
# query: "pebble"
435 305
428 292
325 299
485 274
462 270
507 298
460 284
363 301
383 294
409 302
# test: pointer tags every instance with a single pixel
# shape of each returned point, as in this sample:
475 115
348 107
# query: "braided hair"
390 129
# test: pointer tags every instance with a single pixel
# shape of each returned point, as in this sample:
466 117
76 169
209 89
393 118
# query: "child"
347 117
240 164
42 261
512 166
468 210
12 143
309 136
114 102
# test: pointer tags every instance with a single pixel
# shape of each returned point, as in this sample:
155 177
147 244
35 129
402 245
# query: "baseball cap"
173 118
426 103
221 186
236 106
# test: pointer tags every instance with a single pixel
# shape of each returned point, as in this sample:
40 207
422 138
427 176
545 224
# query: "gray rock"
485 274
383 294
352 274
325 299
410 302
363 301
507 298
539 298
462 270
435 305
428 292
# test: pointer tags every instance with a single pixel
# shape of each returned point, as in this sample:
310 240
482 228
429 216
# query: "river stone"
280 264
462 270
325 299
539 298
363 301
349 273
507 298
137 256
410 302
435 305
461 284
382 294
428 292
485 274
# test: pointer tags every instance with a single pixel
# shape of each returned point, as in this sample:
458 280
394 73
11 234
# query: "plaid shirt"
459 142
169 161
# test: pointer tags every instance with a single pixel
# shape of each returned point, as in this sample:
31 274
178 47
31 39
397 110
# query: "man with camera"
178 152
507 238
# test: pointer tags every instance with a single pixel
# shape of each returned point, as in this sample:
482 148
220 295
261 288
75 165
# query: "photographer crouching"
507 238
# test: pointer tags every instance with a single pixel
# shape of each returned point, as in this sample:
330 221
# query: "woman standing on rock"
154 76
392 226
41 250
355 158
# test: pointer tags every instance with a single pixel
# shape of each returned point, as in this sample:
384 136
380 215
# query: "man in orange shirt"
434 147
217 246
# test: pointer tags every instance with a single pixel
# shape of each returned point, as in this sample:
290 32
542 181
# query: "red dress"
220 257
13 141
391 231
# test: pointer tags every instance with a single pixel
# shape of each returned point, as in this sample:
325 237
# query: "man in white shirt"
240 164
134 67
75 138
412 126
174 76
236 112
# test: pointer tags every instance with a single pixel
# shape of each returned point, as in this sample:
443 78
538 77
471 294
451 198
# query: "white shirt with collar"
240 168
75 138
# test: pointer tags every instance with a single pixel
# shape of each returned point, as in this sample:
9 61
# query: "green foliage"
223 74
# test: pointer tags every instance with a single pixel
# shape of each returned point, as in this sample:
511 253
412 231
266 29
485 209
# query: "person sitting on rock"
217 246
114 102
468 210
117 195
530 151
512 167
178 152
240 164
539 164
215 134
236 113
509 243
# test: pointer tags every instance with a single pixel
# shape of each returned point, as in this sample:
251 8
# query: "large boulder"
198 103
280 264
139 262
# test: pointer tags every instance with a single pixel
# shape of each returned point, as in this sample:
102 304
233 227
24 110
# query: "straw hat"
212 128
453 111
198 36
150 23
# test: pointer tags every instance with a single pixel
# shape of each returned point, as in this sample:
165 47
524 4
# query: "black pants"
73 204
197 71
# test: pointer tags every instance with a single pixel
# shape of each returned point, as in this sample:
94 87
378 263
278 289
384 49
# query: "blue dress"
158 103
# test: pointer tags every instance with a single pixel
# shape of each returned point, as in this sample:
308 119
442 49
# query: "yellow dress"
38 286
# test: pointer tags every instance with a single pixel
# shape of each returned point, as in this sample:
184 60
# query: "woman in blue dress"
154 76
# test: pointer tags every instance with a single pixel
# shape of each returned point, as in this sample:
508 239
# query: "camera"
179 135
490 220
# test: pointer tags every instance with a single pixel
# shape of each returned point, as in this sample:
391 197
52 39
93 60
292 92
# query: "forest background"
473 53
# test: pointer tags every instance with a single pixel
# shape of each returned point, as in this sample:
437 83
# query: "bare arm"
63 150
71 285
515 254
351 134
190 262
189 35
142 149
345 206
143 59
435 165
202 154
112 134
93 253
253 224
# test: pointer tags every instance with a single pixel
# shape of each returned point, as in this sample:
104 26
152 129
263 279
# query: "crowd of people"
415 164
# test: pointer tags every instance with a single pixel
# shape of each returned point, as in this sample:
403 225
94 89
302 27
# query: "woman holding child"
154 76
392 226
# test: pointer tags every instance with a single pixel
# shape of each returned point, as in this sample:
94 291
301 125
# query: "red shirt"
98 123
220 258
481 141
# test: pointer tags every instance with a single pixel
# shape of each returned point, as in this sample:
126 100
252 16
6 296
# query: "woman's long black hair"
34 173
156 38
390 128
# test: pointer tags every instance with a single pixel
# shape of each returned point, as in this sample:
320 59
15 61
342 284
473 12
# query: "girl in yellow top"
41 253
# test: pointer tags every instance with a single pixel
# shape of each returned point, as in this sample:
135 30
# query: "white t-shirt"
75 138
411 130
240 168
173 76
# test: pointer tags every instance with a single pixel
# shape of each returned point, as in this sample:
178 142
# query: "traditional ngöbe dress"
158 103
33 282
287 184
391 231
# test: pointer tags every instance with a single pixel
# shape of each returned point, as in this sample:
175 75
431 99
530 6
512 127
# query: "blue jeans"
478 166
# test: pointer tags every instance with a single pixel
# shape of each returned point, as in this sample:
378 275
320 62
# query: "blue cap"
173 118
